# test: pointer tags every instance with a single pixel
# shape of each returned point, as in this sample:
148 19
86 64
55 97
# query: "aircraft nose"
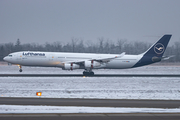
5 58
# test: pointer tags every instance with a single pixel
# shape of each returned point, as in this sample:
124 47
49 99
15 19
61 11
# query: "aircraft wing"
108 59
97 59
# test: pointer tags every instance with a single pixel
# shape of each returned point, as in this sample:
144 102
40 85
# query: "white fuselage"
58 59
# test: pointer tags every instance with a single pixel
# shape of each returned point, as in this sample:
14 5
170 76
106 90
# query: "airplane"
89 61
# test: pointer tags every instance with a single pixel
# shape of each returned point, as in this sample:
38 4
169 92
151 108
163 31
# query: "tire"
88 73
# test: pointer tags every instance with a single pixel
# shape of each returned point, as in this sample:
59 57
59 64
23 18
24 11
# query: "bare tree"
101 48
120 44
73 43
18 46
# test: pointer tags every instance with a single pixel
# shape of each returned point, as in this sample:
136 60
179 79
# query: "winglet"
121 55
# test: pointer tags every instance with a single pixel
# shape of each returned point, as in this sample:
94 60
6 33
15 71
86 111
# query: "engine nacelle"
91 64
70 66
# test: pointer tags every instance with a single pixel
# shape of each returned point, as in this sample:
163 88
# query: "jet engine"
91 64
71 66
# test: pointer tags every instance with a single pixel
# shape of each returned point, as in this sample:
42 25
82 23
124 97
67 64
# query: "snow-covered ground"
75 109
166 88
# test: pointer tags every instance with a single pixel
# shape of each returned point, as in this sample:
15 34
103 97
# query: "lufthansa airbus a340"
88 61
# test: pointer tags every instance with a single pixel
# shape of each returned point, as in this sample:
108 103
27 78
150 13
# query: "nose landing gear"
20 68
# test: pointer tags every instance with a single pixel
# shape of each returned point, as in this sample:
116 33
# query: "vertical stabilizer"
155 52
158 48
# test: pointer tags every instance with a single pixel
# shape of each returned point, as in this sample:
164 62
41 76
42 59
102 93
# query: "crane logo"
159 48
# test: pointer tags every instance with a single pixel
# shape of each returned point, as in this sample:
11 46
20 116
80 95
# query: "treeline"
79 46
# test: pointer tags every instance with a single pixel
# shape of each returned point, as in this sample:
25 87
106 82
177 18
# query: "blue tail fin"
159 47
155 52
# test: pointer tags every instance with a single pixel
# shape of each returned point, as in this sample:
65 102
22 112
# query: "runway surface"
96 75
91 102
80 116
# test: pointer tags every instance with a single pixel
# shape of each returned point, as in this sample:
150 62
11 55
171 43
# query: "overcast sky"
41 21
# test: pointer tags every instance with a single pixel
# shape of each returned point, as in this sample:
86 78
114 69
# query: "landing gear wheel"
88 73
20 70
91 73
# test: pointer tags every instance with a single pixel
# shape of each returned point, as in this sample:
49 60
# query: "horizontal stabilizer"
167 57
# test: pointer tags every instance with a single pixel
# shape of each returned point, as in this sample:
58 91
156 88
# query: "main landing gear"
88 73
20 68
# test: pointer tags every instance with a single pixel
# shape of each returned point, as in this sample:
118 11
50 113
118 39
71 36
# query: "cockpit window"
10 55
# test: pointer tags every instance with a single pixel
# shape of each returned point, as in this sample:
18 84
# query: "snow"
164 88
75 109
